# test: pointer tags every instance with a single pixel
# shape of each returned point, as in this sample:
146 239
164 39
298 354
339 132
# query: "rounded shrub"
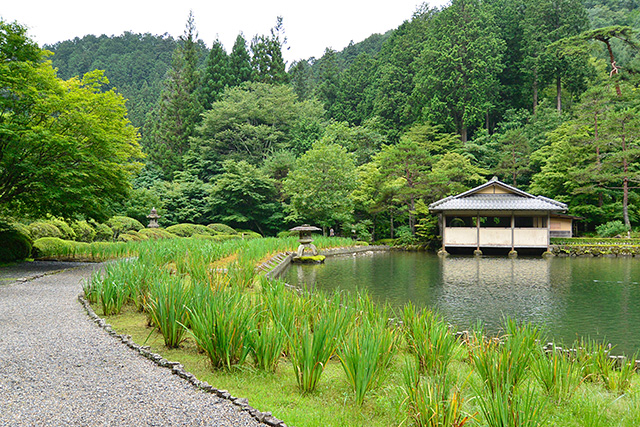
157 233
203 236
249 234
40 229
20 228
84 231
104 233
123 224
131 236
15 245
188 230
67 232
611 229
222 229
223 237
48 247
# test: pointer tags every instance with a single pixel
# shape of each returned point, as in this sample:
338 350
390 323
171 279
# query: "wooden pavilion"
497 215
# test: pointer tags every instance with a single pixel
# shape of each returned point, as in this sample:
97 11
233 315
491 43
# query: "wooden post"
478 231
443 221
513 222
548 231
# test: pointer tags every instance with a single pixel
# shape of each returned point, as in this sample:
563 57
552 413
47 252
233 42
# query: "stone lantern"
306 239
153 219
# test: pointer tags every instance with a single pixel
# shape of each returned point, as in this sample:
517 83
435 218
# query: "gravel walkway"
59 369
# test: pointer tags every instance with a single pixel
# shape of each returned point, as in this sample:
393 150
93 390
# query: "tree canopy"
66 147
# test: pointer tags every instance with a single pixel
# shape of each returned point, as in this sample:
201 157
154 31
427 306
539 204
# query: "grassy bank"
325 360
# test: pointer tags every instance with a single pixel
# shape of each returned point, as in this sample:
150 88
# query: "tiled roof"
497 202
514 200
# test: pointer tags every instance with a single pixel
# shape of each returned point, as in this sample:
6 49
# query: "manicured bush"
249 234
104 233
40 229
20 228
84 232
67 232
15 245
202 236
223 237
157 233
51 246
123 224
132 236
611 229
222 229
188 230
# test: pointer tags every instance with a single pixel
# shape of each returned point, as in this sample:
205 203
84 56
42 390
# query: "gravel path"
59 369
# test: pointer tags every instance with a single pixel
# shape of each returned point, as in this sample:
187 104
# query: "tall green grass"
512 408
221 325
167 304
432 401
315 340
366 353
503 363
557 373
429 339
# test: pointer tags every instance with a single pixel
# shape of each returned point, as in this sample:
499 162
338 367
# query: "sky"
310 26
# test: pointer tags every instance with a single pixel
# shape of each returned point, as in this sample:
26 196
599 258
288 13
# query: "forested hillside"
541 93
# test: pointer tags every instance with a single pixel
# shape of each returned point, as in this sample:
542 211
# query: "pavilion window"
460 221
495 221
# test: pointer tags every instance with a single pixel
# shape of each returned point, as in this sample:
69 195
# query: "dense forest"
540 93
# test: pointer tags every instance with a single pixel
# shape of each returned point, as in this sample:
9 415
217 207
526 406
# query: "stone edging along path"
178 369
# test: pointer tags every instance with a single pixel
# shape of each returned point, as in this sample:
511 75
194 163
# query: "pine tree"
216 75
458 69
239 62
179 109
267 62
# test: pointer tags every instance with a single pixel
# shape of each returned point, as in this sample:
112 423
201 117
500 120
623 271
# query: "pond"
567 297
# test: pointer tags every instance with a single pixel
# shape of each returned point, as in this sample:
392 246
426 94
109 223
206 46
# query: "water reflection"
569 297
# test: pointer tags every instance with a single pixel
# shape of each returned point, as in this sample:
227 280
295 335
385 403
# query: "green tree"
178 111
185 199
216 76
544 23
457 79
410 162
243 196
240 62
251 121
363 142
320 186
301 79
66 147
266 61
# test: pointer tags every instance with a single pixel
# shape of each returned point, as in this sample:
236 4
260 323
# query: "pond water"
567 297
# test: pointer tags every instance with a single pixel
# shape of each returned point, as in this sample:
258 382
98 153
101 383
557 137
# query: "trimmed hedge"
40 229
104 233
84 231
249 234
132 236
51 246
222 229
157 233
123 224
188 230
67 232
15 245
